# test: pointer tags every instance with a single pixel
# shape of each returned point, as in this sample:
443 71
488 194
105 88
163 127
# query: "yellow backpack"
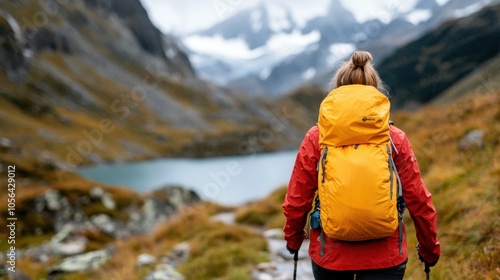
358 184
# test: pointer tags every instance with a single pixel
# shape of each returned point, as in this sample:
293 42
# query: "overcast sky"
184 16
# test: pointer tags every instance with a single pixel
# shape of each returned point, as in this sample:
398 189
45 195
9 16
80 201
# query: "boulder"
178 254
79 263
106 198
105 223
145 259
158 206
66 242
164 272
473 139
275 233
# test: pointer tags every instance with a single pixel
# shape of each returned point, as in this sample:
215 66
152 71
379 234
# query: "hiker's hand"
296 241
292 251
427 263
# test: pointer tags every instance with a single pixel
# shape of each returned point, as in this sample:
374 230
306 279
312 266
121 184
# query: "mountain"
422 70
97 82
321 43
255 26
249 43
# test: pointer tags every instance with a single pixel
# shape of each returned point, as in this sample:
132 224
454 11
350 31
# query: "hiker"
377 258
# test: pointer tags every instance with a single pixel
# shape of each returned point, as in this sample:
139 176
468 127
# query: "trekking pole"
427 271
295 259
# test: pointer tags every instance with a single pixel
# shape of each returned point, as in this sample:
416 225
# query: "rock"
12 60
108 201
41 254
96 192
106 198
79 263
473 139
105 223
178 255
282 265
225 218
275 233
71 247
164 272
50 200
5 144
66 242
145 259
158 206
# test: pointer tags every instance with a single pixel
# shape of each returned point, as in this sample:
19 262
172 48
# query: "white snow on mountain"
273 41
308 74
415 17
339 51
218 47
240 60
278 18
468 10
442 2
256 21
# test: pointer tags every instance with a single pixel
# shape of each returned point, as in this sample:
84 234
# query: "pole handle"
427 271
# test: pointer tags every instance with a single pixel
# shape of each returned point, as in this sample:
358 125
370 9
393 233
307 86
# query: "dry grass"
266 213
464 183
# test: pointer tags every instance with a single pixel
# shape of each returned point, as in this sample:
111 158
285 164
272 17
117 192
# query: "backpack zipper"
323 159
391 168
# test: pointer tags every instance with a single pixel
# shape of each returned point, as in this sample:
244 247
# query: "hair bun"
361 58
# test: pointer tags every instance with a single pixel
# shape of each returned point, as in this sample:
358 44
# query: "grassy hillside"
482 79
464 182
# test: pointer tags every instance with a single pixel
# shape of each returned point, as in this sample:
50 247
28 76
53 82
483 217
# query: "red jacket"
374 254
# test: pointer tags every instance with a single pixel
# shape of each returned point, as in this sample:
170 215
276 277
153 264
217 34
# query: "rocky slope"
95 81
89 82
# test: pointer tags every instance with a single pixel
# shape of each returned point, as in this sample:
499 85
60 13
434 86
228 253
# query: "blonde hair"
358 70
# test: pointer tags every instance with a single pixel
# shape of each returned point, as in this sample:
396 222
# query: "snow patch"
219 47
256 18
417 16
339 51
442 2
459 13
309 73
293 42
264 74
236 60
228 49
278 17
170 53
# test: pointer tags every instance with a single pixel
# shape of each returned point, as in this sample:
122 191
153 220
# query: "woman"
374 259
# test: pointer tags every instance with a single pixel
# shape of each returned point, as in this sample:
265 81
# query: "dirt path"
281 266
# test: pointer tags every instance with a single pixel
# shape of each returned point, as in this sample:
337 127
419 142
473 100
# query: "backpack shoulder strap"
401 205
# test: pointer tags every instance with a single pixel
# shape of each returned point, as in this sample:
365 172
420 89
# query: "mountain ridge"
379 36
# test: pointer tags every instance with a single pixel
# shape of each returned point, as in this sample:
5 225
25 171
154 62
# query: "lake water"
226 180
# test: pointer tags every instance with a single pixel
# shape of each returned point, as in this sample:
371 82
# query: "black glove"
292 251
427 263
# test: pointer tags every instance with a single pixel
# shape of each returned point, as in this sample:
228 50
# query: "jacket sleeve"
418 199
301 189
